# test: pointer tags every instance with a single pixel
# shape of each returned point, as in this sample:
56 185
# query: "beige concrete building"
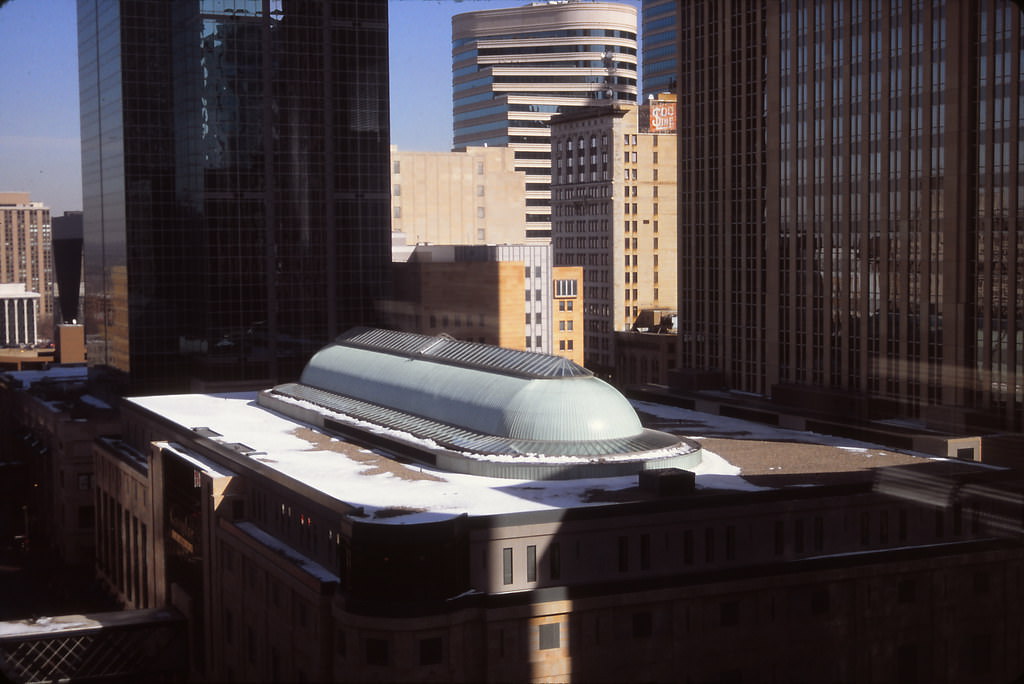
471 197
614 214
25 252
515 68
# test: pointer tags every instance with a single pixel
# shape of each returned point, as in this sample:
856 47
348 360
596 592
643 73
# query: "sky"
39 129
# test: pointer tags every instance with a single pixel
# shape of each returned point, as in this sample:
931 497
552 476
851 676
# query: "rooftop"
738 456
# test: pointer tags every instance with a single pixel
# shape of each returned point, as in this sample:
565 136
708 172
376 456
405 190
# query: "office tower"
513 69
613 205
850 204
26 257
235 184
457 198
659 60
67 264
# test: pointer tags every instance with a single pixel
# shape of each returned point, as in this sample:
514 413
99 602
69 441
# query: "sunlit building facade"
614 215
513 69
235 172
26 257
850 184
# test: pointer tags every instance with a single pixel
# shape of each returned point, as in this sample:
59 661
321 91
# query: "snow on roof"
363 478
57 373
307 564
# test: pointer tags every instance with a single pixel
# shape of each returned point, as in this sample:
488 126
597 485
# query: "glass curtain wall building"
659 58
235 173
513 69
851 204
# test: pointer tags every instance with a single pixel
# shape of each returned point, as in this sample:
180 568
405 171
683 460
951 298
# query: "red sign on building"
663 117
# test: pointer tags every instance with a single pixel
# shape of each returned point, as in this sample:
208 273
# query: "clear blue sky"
39 132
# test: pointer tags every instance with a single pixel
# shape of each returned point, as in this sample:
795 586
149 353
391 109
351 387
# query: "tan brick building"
614 214
25 251
471 197
507 295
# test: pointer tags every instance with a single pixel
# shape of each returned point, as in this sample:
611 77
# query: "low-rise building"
507 295
376 522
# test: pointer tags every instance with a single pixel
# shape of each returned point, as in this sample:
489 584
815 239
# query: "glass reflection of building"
659 58
850 197
235 184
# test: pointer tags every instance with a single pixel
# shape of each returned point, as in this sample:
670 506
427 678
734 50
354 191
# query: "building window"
479 212
340 643
623 554
566 288
506 553
528 316
550 636
398 212
397 190
645 552
377 652
643 625
531 563
561 345
431 651
528 341
479 191
479 168
397 166
569 344
555 560
730 612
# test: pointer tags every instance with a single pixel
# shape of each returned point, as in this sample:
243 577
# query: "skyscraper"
235 172
659 60
850 205
512 69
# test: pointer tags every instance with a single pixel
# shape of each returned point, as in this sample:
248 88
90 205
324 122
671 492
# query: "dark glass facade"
235 173
850 198
660 62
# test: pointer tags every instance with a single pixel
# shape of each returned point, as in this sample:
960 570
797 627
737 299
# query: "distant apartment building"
471 197
506 295
19 315
26 253
613 174
851 191
513 69
659 61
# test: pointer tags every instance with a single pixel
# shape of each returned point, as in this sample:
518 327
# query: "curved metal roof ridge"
477 355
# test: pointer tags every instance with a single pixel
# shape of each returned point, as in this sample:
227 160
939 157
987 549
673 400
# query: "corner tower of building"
512 69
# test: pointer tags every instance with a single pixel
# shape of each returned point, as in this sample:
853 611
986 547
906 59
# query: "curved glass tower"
513 69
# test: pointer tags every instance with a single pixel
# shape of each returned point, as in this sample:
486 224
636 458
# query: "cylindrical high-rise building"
512 69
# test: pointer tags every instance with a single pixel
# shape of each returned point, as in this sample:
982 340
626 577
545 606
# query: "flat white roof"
363 478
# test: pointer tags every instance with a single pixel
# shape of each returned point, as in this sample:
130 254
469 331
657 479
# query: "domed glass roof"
478 400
